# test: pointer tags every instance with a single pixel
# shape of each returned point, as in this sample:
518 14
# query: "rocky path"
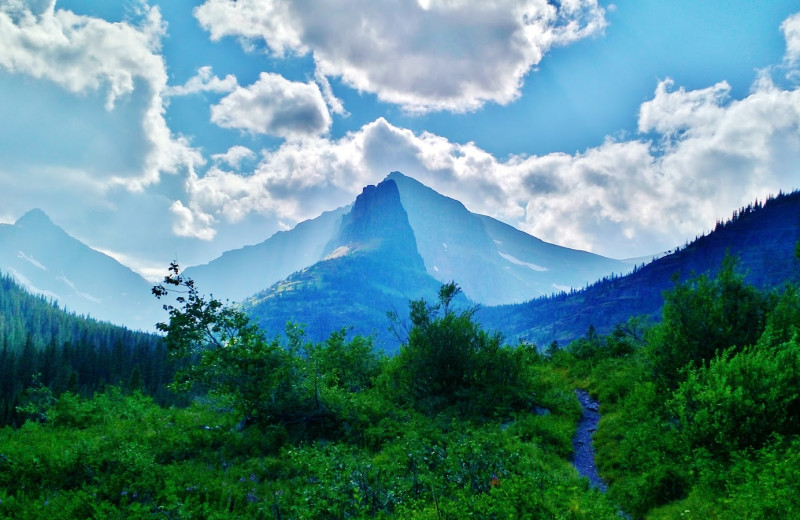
583 450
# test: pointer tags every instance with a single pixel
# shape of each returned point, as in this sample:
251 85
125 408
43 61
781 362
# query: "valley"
363 386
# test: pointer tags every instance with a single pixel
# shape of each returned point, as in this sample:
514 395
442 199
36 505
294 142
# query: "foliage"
700 418
703 317
740 400
227 355
65 352
449 361
329 434
700 410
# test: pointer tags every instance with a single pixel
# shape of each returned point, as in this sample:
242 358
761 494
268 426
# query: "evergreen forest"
700 413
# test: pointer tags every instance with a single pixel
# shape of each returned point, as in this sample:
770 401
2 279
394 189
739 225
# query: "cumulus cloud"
191 222
83 54
204 81
276 106
791 31
432 55
234 156
699 156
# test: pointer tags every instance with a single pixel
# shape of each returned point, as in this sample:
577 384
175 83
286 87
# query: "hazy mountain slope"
493 262
45 260
544 267
25 316
240 273
763 238
372 267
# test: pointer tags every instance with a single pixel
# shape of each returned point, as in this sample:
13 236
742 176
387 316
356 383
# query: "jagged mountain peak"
378 222
35 217
493 262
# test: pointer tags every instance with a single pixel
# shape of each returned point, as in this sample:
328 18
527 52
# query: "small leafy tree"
36 402
740 400
226 354
703 317
450 361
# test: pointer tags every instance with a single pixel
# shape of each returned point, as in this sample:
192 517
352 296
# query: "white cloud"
709 155
433 55
791 31
82 54
673 112
190 222
276 106
234 156
335 104
204 81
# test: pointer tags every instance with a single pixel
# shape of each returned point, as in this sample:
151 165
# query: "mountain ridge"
47 260
454 244
763 238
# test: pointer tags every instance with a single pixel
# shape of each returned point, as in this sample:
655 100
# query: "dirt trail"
583 450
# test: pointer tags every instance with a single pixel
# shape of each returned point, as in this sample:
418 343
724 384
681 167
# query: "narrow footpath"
583 450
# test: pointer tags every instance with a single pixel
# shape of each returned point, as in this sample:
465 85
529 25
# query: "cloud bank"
424 55
699 155
82 54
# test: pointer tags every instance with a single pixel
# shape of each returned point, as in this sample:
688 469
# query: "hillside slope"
372 266
46 260
762 237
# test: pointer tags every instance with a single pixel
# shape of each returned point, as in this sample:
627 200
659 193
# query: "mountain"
371 266
493 263
45 260
763 237
240 273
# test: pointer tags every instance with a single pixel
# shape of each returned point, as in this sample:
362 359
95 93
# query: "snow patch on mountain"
517 261
338 252
22 280
31 259
72 286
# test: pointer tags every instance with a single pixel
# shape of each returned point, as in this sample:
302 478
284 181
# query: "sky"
159 130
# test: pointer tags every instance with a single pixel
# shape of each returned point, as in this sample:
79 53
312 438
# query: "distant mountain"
240 273
762 237
371 266
493 263
45 260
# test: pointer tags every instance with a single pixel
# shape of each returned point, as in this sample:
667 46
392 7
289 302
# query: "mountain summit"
46 260
378 223
372 266
493 262
36 219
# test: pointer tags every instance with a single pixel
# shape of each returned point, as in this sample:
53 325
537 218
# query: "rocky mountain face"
763 238
494 263
372 266
45 260
240 273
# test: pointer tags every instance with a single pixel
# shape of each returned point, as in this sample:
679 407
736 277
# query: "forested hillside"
700 418
41 343
700 412
762 236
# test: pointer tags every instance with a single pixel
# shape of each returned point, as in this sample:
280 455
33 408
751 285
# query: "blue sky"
159 130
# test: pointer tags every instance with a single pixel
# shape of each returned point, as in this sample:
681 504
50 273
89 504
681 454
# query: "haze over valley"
411 259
